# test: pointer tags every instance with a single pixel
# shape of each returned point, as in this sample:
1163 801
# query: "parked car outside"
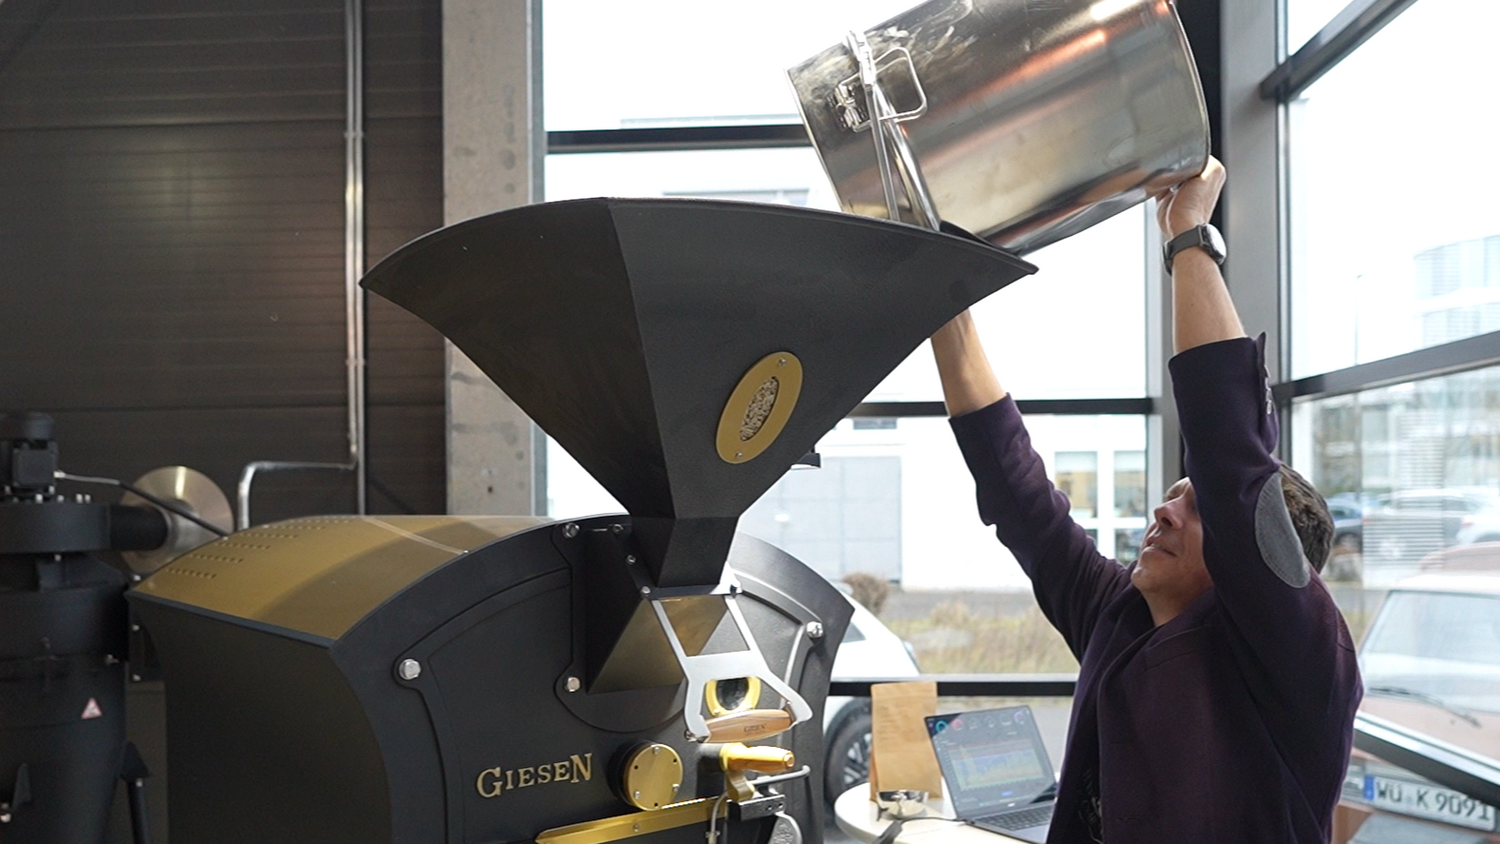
1348 511
1430 663
869 649
1404 526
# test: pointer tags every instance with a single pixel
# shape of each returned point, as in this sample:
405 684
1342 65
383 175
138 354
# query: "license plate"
1428 801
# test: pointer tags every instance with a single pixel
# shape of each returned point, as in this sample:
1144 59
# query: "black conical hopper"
623 326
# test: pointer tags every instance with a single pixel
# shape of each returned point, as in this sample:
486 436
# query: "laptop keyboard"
1020 819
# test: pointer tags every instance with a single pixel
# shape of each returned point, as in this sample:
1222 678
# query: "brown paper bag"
900 752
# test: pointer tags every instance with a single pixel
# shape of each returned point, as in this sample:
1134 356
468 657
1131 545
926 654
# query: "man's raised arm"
968 381
1202 311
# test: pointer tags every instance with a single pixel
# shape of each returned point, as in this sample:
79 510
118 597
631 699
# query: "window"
1393 228
1078 478
899 503
842 518
1419 463
1305 17
1130 484
686 62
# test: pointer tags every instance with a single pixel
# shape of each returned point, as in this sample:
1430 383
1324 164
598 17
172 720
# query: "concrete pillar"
1254 225
494 143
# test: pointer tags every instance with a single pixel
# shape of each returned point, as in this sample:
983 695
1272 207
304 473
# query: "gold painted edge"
787 368
632 825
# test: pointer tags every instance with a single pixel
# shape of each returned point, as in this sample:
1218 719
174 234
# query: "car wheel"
1347 543
847 763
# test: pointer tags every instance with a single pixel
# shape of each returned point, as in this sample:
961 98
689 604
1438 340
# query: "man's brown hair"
1310 516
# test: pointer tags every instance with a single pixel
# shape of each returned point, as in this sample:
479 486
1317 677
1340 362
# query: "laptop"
996 770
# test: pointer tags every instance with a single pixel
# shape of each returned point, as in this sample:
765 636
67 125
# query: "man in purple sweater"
1217 682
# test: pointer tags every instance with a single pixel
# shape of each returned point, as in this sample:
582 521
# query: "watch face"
1214 243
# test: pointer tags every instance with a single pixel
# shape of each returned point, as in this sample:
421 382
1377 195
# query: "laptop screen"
992 759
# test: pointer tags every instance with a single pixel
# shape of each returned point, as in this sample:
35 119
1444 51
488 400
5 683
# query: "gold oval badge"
759 407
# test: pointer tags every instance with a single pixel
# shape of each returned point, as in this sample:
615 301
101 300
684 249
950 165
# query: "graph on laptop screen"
996 764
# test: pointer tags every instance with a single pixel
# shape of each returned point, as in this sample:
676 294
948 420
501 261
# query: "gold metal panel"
759 407
321 575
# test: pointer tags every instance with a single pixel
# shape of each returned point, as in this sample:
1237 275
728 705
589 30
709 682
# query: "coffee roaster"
645 675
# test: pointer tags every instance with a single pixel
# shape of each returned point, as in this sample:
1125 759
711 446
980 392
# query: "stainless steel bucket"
1023 121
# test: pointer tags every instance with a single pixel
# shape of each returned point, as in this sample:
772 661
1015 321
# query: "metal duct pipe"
354 241
354 269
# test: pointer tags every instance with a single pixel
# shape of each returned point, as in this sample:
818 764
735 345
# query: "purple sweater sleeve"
1072 580
1285 629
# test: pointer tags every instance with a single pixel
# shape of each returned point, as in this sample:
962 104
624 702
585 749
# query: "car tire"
847 761
1348 543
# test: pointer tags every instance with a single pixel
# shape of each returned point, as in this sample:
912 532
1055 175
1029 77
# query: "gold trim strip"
621 827
787 370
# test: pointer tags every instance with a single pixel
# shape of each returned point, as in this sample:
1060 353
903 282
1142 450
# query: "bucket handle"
886 132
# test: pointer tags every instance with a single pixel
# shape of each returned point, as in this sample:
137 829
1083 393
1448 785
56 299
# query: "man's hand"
1190 203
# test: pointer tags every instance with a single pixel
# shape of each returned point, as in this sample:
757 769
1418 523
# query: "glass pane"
1304 18
1130 483
1078 478
1412 477
1395 237
895 505
789 176
677 62
1044 332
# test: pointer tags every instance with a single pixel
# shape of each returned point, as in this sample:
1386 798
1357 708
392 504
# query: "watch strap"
1203 236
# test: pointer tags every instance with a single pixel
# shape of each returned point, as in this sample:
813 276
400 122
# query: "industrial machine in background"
65 562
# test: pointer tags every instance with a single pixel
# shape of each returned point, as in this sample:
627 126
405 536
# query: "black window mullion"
1350 28
676 138
1459 356
1030 407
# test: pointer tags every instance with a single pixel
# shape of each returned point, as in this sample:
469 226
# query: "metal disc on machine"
189 490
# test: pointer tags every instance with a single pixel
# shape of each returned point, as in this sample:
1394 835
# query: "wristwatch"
1205 237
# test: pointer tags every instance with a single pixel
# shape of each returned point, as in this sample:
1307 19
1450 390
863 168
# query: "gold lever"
737 758
767 760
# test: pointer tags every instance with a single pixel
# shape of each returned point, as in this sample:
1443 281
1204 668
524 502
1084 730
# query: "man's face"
1171 562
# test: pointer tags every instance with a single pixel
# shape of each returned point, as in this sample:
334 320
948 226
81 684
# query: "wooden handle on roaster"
749 725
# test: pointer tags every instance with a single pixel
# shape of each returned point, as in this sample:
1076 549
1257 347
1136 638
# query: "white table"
858 816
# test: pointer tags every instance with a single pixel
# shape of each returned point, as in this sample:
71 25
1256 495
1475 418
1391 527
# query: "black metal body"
62 646
279 734
622 326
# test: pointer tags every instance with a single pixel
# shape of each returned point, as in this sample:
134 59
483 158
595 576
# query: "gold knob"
651 777
767 760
